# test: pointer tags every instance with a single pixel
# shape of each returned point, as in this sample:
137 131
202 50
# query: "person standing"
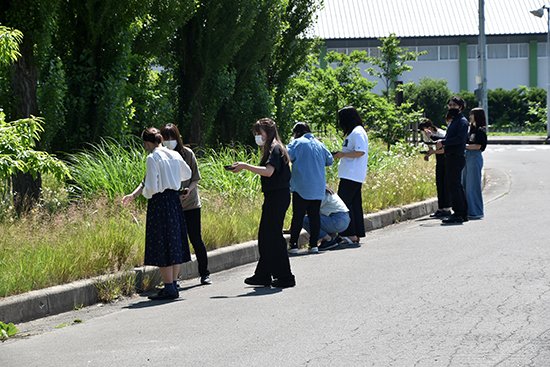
430 134
352 171
471 175
454 144
165 227
273 267
190 199
309 158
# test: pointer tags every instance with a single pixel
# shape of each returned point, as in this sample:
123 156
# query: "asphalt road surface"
414 294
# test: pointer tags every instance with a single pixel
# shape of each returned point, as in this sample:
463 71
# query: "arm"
266 171
473 146
354 154
127 199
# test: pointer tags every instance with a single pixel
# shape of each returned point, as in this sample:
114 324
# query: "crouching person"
334 219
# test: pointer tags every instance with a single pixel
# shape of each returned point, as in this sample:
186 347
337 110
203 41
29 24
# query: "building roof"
344 19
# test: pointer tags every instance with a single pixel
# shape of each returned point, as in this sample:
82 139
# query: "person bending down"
334 219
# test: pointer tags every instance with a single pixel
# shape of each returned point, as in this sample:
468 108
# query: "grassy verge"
61 242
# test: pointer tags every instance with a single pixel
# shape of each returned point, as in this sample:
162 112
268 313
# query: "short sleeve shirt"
477 136
355 169
280 179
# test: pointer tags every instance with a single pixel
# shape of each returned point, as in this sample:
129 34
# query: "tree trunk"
25 188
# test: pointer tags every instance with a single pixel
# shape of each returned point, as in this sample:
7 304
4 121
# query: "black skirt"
165 232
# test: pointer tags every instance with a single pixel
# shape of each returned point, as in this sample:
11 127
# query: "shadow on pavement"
255 291
151 303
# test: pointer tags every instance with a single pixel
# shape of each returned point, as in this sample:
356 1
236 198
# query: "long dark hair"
171 132
348 119
479 118
268 126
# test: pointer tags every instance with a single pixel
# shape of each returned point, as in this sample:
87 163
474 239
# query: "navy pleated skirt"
165 232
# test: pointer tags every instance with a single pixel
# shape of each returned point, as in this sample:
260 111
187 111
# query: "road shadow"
151 303
180 288
254 292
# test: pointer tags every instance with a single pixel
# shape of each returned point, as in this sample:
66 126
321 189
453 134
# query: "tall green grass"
95 235
38 251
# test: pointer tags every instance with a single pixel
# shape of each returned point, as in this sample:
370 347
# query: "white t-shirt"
166 169
355 169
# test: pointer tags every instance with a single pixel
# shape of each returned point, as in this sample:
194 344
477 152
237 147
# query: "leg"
350 192
314 221
299 206
453 175
193 221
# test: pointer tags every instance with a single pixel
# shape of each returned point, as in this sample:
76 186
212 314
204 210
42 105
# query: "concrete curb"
67 297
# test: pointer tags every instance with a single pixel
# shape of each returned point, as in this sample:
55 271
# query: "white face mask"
259 140
170 144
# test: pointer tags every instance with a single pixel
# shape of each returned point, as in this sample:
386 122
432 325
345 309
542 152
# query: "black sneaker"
440 213
293 249
205 280
329 245
284 282
163 295
454 219
254 280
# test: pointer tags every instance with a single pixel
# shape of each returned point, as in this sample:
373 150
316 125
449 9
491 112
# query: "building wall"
510 71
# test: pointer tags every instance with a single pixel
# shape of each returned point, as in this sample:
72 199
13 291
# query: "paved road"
415 294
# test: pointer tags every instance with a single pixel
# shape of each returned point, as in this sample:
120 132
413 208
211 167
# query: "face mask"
170 144
454 112
259 140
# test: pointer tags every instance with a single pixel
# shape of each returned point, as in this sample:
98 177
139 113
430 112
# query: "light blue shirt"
309 158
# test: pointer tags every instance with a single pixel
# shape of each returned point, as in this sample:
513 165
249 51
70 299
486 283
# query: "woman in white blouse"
165 230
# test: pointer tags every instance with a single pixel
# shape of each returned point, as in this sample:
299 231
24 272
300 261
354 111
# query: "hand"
426 157
185 193
127 199
239 166
338 155
428 132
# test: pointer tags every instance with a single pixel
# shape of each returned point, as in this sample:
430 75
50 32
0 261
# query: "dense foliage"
106 69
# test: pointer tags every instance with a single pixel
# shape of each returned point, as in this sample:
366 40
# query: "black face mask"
454 112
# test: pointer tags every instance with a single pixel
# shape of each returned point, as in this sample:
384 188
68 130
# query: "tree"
318 93
18 139
391 63
291 52
34 19
430 96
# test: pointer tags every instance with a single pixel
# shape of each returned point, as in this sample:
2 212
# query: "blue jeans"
334 223
471 180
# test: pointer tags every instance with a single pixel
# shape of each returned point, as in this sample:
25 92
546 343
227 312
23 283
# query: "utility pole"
482 63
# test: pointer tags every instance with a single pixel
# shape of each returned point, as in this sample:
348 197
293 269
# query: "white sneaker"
313 250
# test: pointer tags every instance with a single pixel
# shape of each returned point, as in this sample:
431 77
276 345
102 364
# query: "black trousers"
443 198
193 221
454 163
350 193
301 207
273 260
